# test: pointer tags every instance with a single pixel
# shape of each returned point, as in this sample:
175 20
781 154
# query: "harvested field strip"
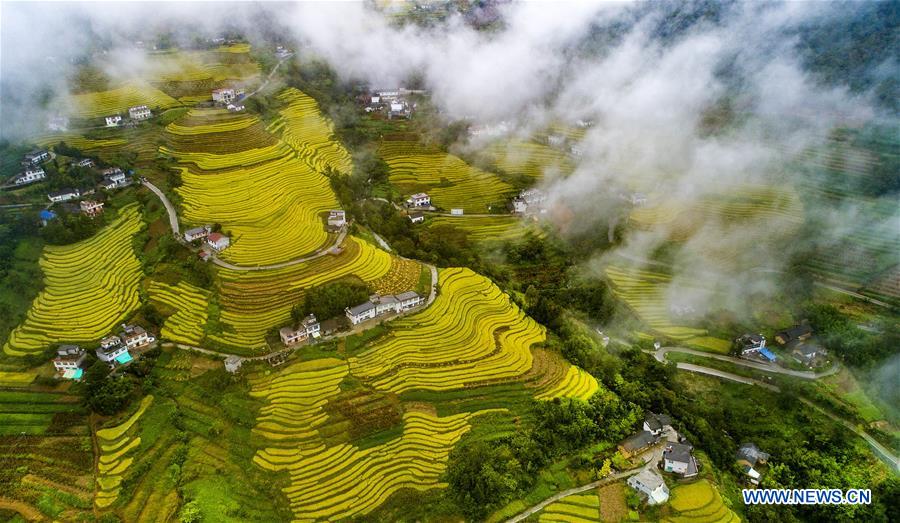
699 502
487 228
105 103
89 287
304 127
528 159
402 276
16 379
190 304
576 384
450 182
583 508
115 444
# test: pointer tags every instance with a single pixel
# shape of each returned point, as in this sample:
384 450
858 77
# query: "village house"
793 334
29 176
85 162
399 109
337 218
113 178
111 349
204 255
218 241
678 458
134 336
58 123
456 212
36 157
419 199
68 361
113 121
649 483
748 457
409 299
656 423
360 313
223 96
806 353
46 215
139 112
64 195
197 233
235 108
233 364
529 201
636 443
749 343
308 328
384 304
416 217
379 305
91 208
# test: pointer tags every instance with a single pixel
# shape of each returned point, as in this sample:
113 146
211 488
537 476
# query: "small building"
204 255
58 123
218 241
337 218
748 458
456 212
235 108
37 156
807 352
385 304
134 336
419 199
767 354
91 208
69 359
85 162
223 96
649 483
110 341
29 176
416 217
46 216
233 364
291 336
750 343
409 299
139 112
793 334
636 443
311 324
64 195
529 201
113 121
111 353
197 233
519 205
360 313
678 458
113 178
399 109
656 423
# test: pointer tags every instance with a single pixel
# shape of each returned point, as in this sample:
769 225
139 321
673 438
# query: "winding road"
660 355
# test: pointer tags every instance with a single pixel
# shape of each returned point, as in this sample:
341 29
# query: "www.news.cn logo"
809 496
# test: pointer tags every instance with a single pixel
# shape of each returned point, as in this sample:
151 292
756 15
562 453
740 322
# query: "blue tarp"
123 358
47 215
767 354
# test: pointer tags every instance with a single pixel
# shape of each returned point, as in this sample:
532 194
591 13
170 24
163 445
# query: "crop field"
89 287
303 126
265 199
402 276
255 301
16 379
25 412
78 141
105 103
451 182
699 502
645 293
190 304
487 228
116 443
579 508
528 159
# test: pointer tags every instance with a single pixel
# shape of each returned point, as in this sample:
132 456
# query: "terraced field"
105 103
450 181
480 336
487 228
189 303
253 302
89 287
24 412
303 126
403 275
116 443
78 141
580 508
528 159
267 200
699 502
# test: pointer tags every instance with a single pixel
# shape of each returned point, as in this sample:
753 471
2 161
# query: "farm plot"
699 502
342 481
116 443
255 301
645 293
528 159
479 337
34 412
89 287
451 182
105 103
487 228
190 304
303 126
265 199
581 508
402 276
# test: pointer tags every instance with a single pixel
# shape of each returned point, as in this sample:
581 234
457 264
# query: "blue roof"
123 358
47 215
767 354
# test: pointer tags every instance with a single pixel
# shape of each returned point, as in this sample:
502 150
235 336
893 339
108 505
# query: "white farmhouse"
197 233
134 336
113 121
385 304
64 195
36 157
139 112
416 217
29 176
308 328
69 357
651 484
679 459
360 313
409 299
223 96
110 349
337 218
218 241
419 199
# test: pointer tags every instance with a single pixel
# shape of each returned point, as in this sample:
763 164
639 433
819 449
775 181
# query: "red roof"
215 237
